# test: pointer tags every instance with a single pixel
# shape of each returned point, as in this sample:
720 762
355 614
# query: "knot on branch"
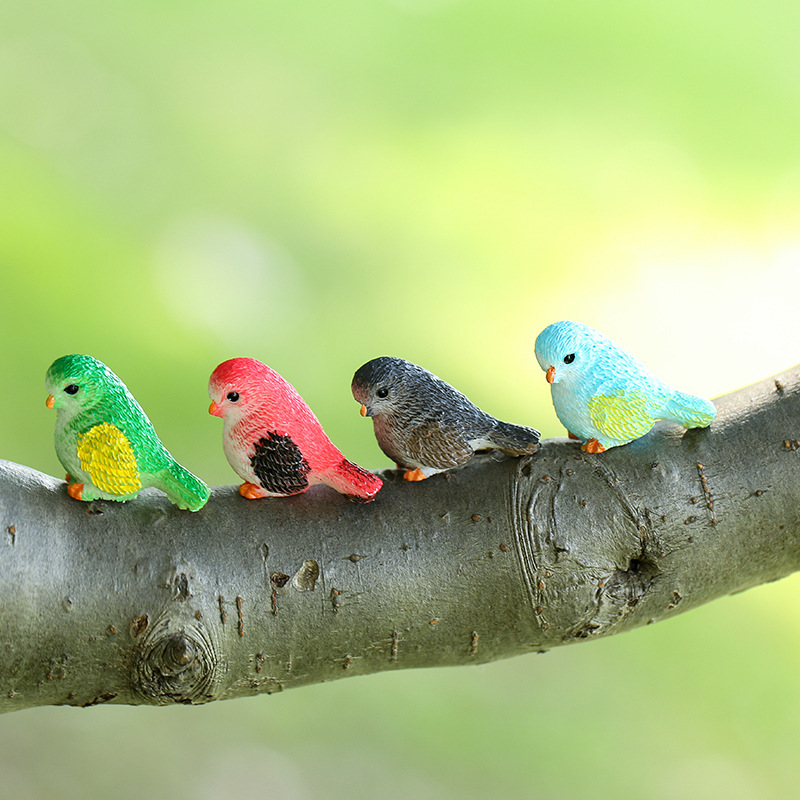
583 544
175 663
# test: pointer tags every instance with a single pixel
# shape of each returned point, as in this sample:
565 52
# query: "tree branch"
143 603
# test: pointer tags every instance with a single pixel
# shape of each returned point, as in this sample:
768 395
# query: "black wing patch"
279 465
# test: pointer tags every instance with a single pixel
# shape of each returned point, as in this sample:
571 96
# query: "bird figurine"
605 397
105 441
272 439
425 425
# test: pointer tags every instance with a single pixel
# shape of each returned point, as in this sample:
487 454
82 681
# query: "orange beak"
50 402
363 411
550 374
213 409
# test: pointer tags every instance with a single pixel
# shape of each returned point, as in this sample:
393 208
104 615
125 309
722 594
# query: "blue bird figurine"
603 395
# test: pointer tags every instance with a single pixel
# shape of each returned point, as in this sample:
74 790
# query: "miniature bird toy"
427 426
604 396
105 441
272 438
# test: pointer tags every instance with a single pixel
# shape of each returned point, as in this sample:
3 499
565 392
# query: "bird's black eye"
233 396
382 392
71 389
569 359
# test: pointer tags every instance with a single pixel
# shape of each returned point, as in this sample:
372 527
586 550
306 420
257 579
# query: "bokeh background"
316 184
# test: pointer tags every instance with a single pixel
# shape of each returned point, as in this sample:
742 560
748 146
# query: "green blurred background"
318 184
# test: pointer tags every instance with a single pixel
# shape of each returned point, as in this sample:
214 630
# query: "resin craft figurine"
604 396
272 439
105 441
427 426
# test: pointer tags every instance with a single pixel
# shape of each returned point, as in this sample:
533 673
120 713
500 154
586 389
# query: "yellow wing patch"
622 415
107 456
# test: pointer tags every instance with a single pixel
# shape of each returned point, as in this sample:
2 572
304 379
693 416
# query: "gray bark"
142 603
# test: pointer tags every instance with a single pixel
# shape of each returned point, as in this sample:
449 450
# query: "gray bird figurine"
427 426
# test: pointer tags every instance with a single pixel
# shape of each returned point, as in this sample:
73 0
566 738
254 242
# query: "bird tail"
514 440
689 411
182 488
352 480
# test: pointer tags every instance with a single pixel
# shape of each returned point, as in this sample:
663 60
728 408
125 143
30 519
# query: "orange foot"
573 436
414 475
593 446
68 478
251 491
75 491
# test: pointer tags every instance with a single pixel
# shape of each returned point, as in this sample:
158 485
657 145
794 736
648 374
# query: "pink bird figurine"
273 440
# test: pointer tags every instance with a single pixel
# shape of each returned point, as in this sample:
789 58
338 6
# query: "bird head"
241 386
379 385
568 351
78 382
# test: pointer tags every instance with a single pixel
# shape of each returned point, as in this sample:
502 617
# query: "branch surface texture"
143 603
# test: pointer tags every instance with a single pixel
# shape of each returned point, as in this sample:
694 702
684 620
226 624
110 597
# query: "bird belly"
236 444
391 441
66 443
573 412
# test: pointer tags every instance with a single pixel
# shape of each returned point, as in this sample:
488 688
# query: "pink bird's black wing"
279 465
436 446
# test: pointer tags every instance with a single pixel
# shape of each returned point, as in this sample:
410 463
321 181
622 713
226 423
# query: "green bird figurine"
105 441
